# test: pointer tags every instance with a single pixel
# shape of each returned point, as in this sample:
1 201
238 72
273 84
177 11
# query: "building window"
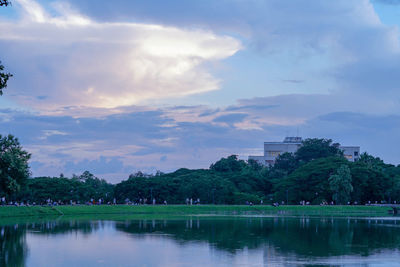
273 153
355 153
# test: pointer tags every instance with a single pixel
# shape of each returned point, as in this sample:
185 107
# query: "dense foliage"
316 173
14 169
4 76
78 189
5 2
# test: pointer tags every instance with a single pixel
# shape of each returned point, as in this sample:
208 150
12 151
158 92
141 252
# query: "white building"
273 149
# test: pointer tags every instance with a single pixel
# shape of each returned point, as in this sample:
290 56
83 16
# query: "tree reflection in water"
13 248
305 238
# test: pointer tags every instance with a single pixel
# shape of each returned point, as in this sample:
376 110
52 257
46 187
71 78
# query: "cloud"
335 46
292 81
76 61
388 2
113 146
101 166
107 59
230 118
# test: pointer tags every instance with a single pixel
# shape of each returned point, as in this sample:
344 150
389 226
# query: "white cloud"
48 133
72 60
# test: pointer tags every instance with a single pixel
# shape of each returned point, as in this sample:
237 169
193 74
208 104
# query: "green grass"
192 210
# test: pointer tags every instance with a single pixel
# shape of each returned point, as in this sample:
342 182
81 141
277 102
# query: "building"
290 144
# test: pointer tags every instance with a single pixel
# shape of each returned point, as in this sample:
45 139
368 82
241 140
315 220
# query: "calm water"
203 241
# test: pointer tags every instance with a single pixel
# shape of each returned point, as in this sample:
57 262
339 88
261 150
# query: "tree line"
317 173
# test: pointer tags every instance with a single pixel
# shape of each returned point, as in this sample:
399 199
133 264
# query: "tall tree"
340 184
286 162
309 182
14 169
229 164
314 148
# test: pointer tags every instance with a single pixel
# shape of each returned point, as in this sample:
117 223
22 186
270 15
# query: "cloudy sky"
114 87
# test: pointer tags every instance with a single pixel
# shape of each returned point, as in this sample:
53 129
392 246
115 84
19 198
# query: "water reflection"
59 227
302 236
285 240
13 247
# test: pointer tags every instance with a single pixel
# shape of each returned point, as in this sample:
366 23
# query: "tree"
340 184
253 164
371 161
86 176
229 164
5 3
286 162
14 169
314 148
3 78
309 182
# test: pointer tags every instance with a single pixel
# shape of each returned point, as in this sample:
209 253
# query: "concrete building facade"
290 144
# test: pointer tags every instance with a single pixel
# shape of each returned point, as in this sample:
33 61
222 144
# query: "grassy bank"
12 211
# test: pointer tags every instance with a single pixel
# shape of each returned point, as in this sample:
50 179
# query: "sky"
119 86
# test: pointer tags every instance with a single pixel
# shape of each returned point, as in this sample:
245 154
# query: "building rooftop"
288 140
292 140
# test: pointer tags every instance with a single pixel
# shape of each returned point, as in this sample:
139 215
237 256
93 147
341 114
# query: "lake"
202 241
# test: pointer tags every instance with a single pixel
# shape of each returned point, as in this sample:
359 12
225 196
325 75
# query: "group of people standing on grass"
191 202
50 202
144 201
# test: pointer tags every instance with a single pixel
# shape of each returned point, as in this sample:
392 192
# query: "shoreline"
42 211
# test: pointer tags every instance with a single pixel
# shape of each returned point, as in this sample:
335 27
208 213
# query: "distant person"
165 202
191 201
114 201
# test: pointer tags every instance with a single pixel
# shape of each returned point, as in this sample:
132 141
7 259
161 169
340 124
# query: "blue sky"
116 87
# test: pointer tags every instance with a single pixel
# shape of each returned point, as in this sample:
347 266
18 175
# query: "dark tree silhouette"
4 76
5 3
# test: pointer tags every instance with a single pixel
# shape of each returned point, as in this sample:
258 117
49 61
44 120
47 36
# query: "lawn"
12 211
